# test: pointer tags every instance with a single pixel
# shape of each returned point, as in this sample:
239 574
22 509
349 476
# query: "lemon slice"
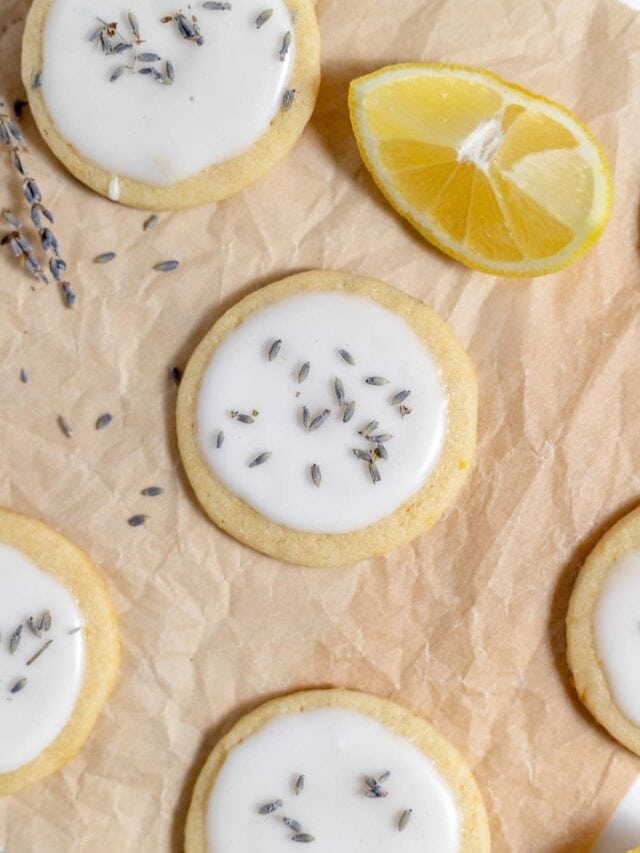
503 180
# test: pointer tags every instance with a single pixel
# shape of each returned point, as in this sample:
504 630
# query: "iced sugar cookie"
59 650
603 632
327 418
163 106
340 771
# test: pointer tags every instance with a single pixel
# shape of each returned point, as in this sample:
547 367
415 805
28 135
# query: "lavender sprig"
19 245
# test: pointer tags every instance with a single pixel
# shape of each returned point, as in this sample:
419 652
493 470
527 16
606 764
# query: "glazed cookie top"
161 93
322 411
42 657
339 770
334 777
616 622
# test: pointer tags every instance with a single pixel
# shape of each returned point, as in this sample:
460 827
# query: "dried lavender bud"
151 222
117 73
24 376
175 374
286 44
317 422
148 57
269 808
294 825
19 685
104 420
216 6
376 380
170 74
57 266
263 17
303 837
260 460
364 455
31 191
15 131
133 23
65 426
137 520
349 412
303 372
299 786
37 210
48 241
152 491
166 266
219 440
17 162
316 475
374 473
404 819
274 349
68 296
400 397
287 99
14 641
339 389
381 451
11 219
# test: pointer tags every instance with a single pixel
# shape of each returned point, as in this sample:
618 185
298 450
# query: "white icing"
225 92
313 327
32 718
617 634
334 749
114 188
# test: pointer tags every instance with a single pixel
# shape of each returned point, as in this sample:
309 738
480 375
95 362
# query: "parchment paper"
466 626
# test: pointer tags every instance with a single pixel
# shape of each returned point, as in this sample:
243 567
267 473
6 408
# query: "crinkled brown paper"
466 625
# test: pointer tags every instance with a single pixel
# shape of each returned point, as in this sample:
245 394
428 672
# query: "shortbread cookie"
59 650
327 418
162 106
341 771
603 632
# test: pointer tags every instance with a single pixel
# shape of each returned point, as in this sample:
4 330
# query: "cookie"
603 632
165 108
59 650
327 418
340 770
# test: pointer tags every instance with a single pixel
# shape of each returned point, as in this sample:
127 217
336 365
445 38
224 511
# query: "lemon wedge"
503 180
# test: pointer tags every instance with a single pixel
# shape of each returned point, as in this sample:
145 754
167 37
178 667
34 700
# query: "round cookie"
374 777
275 452
240 86
603 632
59 650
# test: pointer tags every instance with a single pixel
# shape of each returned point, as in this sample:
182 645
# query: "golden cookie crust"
588 675
417 513
53 553
216 182
475 836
